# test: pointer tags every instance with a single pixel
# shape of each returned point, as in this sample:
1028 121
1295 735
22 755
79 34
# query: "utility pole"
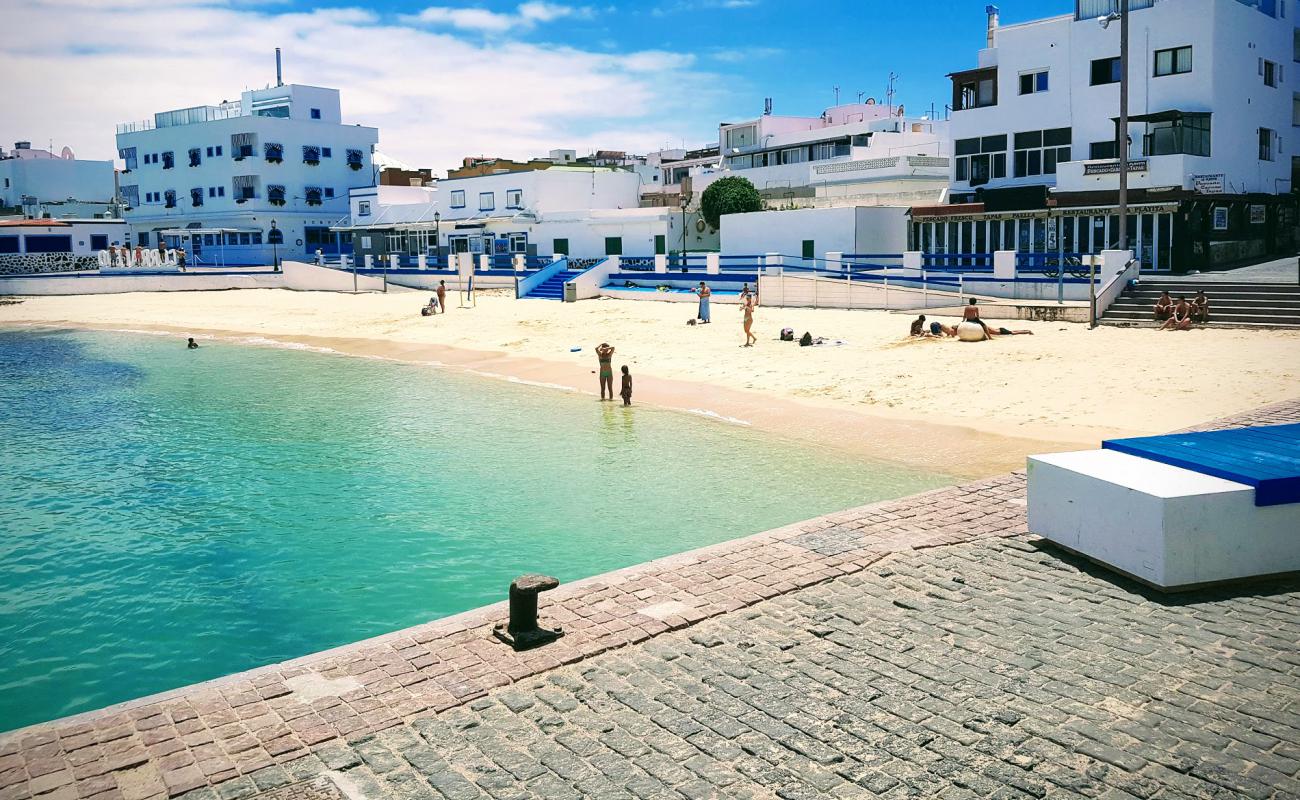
1123 124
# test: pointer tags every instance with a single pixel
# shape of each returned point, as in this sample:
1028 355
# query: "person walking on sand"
705 293
750 338
442 296
626 391
605 356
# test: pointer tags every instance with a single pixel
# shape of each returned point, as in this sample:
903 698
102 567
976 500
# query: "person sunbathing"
1180 319
1164 306
1200 307
939 329
1007 332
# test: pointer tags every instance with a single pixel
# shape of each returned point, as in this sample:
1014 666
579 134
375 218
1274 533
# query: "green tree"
734 195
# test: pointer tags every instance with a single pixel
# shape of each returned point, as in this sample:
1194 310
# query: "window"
209 152
363 208
49 244
518 243
326 152
1266 144
142 238
1188 134
275 194
1098 151
560 247
313 195
168 160
127 154
458 198
487 201
809 249
1038 152
329 192
310 154
196 197
981 159
131 196
99 241
1175 61
613 245
196 157
743 136
1295 108
514 198
8 244
274 152
315 113
169 198
794 155
1271 72
1105 70
355 159
1033 82
218 148
257 237
245 238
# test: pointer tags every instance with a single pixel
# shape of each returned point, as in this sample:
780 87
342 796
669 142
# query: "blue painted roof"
1266 457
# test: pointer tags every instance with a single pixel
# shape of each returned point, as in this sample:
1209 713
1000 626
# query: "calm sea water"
169 516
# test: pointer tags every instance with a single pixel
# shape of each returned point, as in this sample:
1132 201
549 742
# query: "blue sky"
446 79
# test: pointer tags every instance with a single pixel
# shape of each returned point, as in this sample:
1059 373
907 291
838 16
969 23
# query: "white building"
39 182
1211 110
853 154
55 245
585 212
269 173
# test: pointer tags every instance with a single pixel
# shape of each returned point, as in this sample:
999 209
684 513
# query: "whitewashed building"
585 212
38 182
850 155
265 175
1212 104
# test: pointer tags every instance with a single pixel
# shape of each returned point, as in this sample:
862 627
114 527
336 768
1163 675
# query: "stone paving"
970 662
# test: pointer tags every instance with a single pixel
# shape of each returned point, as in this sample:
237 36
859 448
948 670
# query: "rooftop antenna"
837 95
889 92
860 97
279 80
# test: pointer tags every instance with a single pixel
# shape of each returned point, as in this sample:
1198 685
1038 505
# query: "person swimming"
191 344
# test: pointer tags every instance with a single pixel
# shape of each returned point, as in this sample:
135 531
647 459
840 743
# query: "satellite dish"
68 154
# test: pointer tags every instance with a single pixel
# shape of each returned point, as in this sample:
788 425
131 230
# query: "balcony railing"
1091 9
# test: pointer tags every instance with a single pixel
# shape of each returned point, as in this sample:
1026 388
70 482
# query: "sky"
496 77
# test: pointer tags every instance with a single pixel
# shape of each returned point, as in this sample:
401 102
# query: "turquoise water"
169 516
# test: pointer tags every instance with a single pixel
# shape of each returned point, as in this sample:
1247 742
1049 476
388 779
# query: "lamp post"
1121 133
274 236
686 201
437 237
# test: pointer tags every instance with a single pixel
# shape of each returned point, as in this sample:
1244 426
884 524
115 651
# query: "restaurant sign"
1112 167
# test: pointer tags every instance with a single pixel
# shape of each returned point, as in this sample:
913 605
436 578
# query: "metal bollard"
522 632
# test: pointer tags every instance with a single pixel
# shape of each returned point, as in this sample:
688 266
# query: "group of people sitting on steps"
1179 316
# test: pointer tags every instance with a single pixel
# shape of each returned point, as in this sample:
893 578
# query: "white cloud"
434 96
484 21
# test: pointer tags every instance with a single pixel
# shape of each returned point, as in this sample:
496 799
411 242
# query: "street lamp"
1121 138
437 237
686 201
274 236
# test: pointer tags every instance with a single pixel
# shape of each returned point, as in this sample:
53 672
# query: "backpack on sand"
805 340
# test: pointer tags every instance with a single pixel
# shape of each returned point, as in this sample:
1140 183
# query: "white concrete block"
661 263
712 263
1004 265
1166 526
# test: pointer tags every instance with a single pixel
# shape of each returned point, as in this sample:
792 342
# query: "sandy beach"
977 408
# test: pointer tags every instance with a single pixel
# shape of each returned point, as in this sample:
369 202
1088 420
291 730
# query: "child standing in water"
626 391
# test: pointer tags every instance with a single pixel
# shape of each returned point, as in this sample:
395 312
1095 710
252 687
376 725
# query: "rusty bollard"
522 632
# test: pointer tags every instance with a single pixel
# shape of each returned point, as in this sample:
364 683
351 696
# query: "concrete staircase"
1233 304
553 287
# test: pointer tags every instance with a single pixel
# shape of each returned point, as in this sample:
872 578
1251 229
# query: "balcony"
1091 9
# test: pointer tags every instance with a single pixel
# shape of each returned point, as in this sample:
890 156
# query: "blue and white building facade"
1212 143
265 175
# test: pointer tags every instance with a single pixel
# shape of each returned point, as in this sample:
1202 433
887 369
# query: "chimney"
279 80
992 11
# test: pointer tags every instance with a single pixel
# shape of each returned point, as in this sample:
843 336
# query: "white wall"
832 230
543 191
80 232
51 179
